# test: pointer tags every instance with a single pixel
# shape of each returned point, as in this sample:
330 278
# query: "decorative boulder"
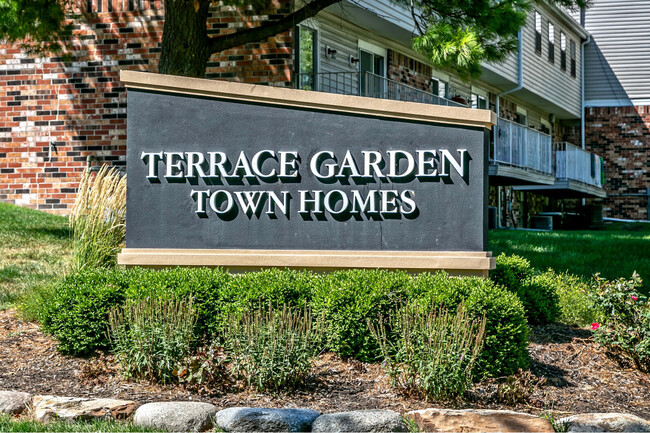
14 402
47 408
248 419
605 422
360 421
176 416
471 420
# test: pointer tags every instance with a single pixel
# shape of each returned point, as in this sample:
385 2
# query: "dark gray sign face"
217 174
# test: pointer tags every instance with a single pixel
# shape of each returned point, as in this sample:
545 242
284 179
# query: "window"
522 116
440 87
545 127
551 42
538 33
572 46
372 61
479 99
562 51
307 55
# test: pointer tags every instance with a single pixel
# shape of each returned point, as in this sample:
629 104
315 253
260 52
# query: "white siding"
547 79
617 66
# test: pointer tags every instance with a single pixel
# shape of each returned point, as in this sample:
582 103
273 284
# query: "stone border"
309 99
454 262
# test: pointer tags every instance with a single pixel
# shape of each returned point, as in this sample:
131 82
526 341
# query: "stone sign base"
453 262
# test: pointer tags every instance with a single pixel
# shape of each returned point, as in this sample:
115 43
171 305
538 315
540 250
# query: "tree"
453 34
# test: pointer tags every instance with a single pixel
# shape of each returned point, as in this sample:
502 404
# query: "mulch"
569 374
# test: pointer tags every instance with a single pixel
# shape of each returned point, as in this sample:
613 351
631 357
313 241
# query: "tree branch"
265 31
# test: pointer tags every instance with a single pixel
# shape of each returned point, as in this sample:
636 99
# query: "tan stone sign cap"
310 99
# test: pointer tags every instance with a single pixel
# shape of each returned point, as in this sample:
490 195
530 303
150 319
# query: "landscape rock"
176 416
605 422
47 408
360 421
474 420
248 419
14 402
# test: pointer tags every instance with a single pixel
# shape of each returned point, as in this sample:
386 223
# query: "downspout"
520 79
582 90
520 76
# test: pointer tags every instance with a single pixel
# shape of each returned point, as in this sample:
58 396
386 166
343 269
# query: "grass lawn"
9 424
34 248
615 252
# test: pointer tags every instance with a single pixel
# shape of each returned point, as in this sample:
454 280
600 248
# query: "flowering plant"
626 330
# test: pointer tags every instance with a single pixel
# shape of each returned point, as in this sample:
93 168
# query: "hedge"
76 311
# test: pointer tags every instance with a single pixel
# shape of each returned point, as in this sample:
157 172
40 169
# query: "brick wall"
621 135
56 115
406 70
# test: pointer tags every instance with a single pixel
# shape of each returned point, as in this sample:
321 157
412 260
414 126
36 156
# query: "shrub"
540 299
537 292
626 331
97 219
576 308
271 349
77 313
506 331
344 301
151 337
511 271
434 352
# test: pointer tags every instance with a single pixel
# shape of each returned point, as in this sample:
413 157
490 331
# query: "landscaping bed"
580 378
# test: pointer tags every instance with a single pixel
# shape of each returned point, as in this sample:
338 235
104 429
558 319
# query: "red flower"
634 298
594 326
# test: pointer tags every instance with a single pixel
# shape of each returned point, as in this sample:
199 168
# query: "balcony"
370 85
521 155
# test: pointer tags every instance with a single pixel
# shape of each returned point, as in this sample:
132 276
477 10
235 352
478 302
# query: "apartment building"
617 101
58 118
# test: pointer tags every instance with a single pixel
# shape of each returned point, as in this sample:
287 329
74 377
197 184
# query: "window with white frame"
563 51
307 62
479 98
572 47
551 42
538 33
522 116
440 85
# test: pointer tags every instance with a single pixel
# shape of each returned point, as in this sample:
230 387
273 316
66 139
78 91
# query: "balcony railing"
369 84
523 147
575 163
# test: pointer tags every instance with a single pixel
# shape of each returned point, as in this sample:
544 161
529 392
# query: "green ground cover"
34 248
617 251
9 424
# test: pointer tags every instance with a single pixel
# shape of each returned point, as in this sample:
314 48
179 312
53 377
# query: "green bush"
430 352
151 337
77 313
575 306
344 301
271 349
537 292
506 331
511 271
626 331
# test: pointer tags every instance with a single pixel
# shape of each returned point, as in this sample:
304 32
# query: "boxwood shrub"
537 292
77 311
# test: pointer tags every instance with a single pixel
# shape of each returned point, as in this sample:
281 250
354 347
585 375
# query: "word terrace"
284 167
